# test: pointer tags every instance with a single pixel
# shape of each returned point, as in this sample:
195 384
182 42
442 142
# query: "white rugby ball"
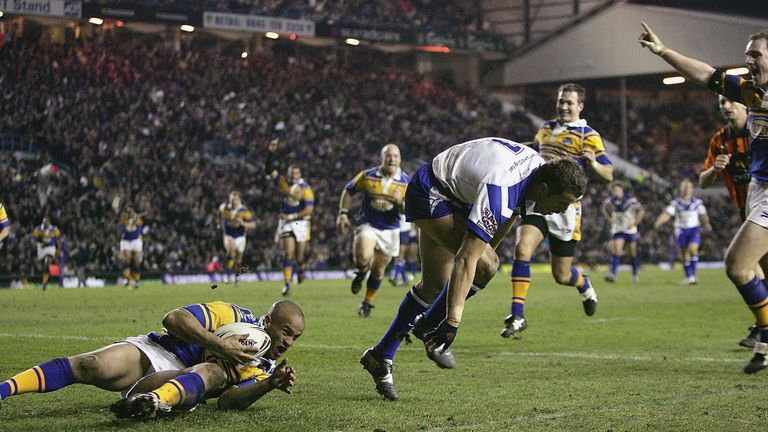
257 337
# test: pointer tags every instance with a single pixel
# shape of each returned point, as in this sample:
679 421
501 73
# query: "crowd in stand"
167 131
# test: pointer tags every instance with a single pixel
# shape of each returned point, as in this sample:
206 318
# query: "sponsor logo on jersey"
489 221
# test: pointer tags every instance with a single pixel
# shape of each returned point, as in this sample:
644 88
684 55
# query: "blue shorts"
629 238
426 198
405 237
687 236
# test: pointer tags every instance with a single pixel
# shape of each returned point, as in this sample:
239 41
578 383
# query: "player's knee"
212 374
88 368
486 268
735 270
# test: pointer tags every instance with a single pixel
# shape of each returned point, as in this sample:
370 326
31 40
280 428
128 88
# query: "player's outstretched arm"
695 70
241 397
662 219
182 324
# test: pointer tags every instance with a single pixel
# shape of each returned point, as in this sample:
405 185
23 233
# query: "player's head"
46 221
284 324
570 102
732 111
294 174
390 158
617 189
757 58
686 188
557 184
235 199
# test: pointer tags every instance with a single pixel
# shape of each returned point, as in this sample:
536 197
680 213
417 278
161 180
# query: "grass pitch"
656 356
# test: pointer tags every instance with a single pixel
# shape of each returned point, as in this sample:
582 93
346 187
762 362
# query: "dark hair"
580 91
563 175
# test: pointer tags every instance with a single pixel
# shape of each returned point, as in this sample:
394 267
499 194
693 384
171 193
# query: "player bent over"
464 202
181 347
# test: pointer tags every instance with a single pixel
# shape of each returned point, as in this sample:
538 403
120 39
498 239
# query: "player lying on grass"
180 348
464 201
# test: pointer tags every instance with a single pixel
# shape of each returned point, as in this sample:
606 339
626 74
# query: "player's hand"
441 337
648 39
589 155
283 377
232 349
721 161
342 223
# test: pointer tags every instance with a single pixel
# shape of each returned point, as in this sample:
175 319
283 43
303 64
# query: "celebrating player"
131 244
750 245
46 237
189 333
295 214
625 214
236 218
690 214
377 238
567 136
464 202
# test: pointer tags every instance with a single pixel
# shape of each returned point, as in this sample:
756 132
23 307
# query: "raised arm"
695 70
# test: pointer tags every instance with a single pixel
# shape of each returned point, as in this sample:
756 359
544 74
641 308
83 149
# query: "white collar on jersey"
577 123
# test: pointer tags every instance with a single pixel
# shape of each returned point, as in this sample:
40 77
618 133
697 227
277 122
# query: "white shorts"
160 358
757 203
43 252
131 245
564 225
238 243
300 229
387 241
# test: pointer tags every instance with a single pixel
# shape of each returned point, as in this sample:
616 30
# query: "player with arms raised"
294 225
750 245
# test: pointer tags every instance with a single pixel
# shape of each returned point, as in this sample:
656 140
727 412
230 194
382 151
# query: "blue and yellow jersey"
211 316
378 210
756 100
233 218
46 236
557 139
131 226
298 196
4 222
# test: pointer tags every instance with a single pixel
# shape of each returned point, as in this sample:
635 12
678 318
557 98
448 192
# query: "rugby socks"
635 265
439 308
412 267
371 289
136 272
687 268
287 270
411 307
127 271
43 378
521 281
694 262
184 391
615 261
579 281
755 295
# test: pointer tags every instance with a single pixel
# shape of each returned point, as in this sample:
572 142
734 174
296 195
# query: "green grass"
657 356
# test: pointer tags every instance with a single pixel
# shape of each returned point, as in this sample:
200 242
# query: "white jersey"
686 213
624 214
491 175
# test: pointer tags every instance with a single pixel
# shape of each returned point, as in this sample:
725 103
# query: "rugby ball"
257 337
